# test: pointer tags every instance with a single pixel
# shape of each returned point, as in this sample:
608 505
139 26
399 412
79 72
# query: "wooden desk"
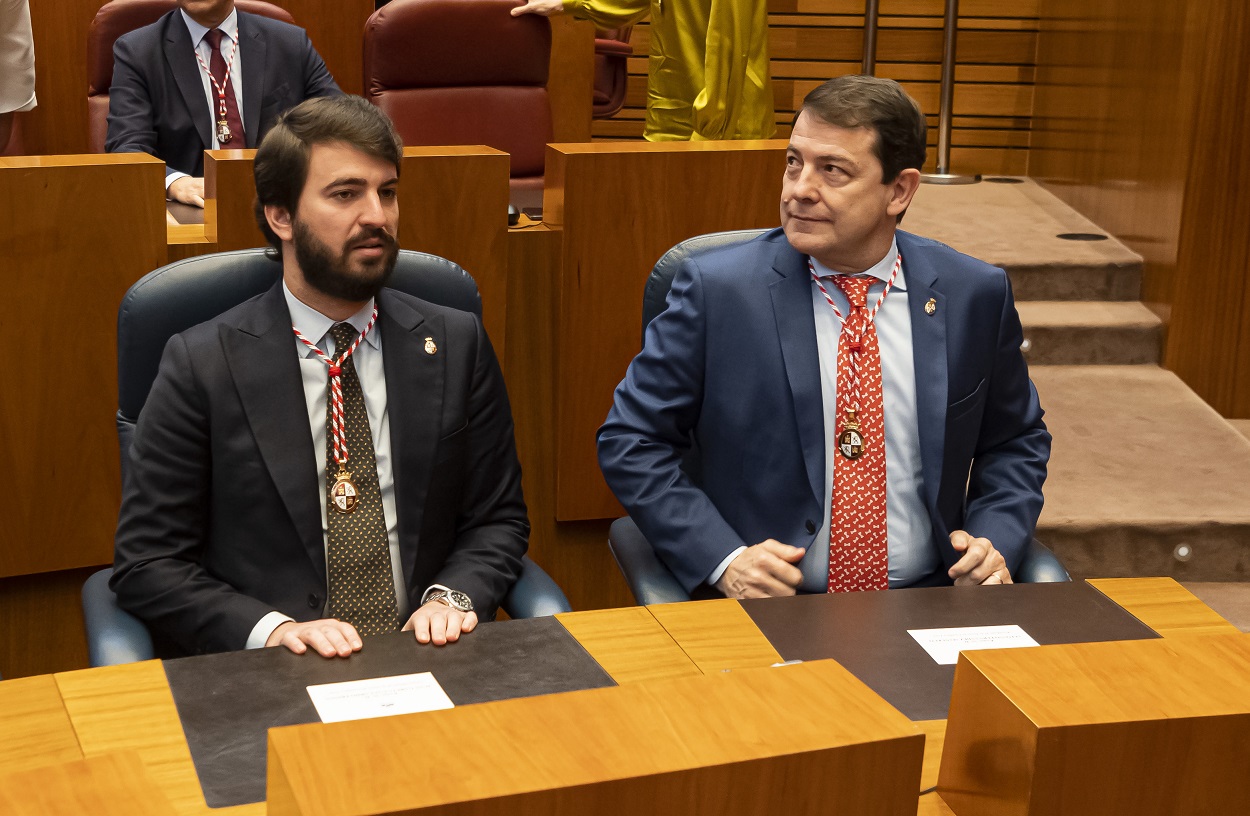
130 708
719 635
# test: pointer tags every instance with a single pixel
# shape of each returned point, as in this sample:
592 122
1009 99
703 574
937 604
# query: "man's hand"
329 637
439 623
188 190
765 570
980 564
544 7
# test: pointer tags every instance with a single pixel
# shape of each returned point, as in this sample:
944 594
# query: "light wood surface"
108 784
1164 605
130 708
35 725
1130 728
63 277
669 192
629 643
716 635
636 748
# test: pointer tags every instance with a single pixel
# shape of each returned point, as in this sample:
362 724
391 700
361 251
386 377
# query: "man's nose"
373 210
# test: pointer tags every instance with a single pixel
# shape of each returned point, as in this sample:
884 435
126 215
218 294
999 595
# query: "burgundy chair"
612 53
115 19
455 72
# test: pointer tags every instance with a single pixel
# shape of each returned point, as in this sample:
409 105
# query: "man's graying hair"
281 165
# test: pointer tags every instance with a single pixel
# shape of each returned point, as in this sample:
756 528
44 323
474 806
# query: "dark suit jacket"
157 103
220 518
733 365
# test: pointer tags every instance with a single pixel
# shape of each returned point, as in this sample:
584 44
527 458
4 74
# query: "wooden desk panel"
63 276
104 785
629 643
622 206
35 725
130 708
1164 605
717 635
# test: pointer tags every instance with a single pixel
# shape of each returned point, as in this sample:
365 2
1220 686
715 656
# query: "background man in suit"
903 448
174 95
359 473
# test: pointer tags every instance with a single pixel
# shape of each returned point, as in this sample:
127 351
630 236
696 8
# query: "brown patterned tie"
362 589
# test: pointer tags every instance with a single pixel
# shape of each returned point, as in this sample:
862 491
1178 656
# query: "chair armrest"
648 578
613 48
1040 566
534 594
113 635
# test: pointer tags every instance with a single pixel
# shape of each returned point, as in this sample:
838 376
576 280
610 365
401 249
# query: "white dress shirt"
229 45
17 57
316 380
908 527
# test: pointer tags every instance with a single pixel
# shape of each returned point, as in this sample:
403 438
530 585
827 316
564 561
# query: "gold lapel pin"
930 307
430 345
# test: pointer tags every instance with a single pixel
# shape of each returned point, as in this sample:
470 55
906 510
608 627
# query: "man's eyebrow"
358 182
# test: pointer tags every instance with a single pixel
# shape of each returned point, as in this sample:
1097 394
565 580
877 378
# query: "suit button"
314 601
810 526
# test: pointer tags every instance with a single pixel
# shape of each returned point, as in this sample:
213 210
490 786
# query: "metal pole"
950 27
871 7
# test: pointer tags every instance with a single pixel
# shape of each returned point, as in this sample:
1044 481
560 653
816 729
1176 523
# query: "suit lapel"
261 354
253 47
928 343
796 329
414 389
180 57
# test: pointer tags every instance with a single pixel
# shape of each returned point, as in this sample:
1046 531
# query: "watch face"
460 601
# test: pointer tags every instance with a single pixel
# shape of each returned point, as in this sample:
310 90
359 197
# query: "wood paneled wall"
1140 123
813 40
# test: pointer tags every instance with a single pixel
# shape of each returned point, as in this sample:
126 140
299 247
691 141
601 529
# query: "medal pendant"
223 132
851 441
343 496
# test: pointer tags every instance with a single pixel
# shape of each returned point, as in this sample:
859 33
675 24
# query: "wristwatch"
451 597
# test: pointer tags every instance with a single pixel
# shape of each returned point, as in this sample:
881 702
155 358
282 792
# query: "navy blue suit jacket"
157 103
732 368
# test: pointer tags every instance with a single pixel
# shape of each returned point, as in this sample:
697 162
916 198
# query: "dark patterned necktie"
362 589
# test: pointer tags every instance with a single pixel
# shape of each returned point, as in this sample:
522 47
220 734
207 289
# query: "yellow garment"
707 75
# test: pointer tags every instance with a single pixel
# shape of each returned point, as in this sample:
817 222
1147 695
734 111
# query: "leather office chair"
612 53
185 293
649 579
115 19
457 72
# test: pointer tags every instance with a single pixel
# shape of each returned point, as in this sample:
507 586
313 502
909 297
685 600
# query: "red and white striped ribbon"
872 314
220 87
337 423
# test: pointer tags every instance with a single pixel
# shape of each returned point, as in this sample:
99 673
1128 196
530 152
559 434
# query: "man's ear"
901 191
279 219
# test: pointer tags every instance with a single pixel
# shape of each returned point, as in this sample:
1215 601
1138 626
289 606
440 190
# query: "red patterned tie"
217 66
858 556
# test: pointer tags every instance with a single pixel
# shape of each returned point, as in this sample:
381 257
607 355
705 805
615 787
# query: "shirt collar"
314 325
229 27
880 270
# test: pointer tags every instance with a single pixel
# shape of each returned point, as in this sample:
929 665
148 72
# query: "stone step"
1016 226
1077 332
1145 477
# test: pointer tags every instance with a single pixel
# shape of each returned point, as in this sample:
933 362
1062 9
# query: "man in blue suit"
741 373
168 99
